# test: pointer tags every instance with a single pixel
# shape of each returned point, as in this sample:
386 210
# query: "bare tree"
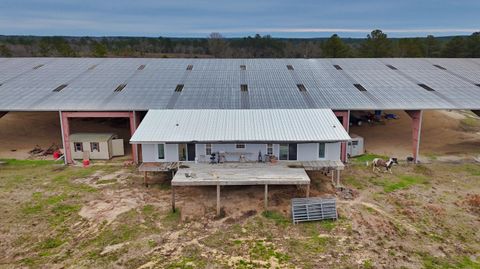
217 45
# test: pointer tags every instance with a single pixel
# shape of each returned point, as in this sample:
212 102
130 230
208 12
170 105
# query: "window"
283 152
94 146
360 87
289 67
78 146
120 87
161 151
243 67
244 88
240 146
270 149
301 87
321 150
354 143
338 67
179 88
208 149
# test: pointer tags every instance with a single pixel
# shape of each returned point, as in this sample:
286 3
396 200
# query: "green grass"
403 182
368 157
15 162
432 262
263 251
277 217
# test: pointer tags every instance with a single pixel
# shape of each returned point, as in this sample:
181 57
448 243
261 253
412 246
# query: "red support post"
133 128
416 116
345 120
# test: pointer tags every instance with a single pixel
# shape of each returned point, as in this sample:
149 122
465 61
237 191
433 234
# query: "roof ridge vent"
141 67
244 88
120 87
38 66
61 87
360 87
426 87
243 67
301 88
391 67
290 67
179 88
338 67
440 67
190 67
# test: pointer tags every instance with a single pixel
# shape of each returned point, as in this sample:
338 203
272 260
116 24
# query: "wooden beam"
218 200
98 114
173 198
266 197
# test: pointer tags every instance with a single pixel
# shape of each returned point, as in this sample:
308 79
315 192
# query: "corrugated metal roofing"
91 137
27 84
239 125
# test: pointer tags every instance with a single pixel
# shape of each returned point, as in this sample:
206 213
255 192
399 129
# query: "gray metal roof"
27 84
239 125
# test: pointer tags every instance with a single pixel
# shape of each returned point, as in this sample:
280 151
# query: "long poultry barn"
131 87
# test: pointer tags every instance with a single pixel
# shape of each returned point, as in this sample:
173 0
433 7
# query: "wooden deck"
326 165
239 174
158 167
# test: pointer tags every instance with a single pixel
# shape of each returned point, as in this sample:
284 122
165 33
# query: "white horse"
378 163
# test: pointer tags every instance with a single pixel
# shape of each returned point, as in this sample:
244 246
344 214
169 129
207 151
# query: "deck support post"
145 178
218 200
416 116
338 178
173 199
266 197
344 117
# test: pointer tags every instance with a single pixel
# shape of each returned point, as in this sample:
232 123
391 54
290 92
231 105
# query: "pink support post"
345 119
133 128
66 138
416 116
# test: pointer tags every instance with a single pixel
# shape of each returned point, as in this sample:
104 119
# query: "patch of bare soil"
442 133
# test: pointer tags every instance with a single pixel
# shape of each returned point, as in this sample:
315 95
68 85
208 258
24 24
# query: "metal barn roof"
125 84
239 125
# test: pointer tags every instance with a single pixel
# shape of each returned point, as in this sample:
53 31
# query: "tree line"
376 44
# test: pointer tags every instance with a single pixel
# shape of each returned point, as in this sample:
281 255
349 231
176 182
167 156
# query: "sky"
239 18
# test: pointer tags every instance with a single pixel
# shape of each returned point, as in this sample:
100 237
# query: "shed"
100 146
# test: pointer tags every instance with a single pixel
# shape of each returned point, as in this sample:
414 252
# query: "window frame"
324 151
208 147
240 148
158 151
269 146
75 146
92 148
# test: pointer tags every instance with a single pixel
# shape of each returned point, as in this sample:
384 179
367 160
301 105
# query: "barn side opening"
452 133
21 132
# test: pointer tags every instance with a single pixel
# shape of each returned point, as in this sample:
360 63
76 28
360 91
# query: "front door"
191 152
292 152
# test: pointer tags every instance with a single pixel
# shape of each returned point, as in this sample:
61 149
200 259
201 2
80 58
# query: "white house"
240 135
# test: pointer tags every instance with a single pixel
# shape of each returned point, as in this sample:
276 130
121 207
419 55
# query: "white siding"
305 152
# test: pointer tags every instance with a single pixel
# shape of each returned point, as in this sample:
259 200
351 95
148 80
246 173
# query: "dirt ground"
424 216
443 133
21 131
